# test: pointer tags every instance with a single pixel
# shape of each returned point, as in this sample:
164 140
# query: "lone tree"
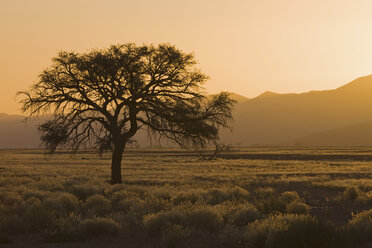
103 97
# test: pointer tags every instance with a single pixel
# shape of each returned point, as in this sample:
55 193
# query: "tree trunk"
117 155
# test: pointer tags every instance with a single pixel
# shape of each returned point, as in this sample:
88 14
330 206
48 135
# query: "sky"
245 46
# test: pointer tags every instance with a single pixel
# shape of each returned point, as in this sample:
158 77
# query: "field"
248 197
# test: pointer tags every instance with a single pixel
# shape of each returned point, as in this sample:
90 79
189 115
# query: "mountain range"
338 117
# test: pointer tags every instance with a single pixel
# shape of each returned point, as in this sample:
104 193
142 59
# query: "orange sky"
245 46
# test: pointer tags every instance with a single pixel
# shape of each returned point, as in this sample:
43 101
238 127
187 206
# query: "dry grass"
171 198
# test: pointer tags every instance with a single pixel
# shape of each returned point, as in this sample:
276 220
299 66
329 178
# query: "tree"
103 97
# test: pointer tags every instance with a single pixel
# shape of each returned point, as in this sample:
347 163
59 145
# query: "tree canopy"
101 98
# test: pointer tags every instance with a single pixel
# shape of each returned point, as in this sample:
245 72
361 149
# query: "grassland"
251 197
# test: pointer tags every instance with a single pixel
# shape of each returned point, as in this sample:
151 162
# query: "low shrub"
296 207
83 191
240 215
63 230
97 205
289 231
156 224
175 236
34 193
302 231
62 203
186 197
96 227
10 198
236 194
290 196
351 193
203 219
360 227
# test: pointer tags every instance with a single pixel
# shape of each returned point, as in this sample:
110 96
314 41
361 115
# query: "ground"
173 198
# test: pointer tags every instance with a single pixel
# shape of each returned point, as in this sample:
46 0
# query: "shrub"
12 224
216 196
262 193
97 205
156 224
297 207
351 193
360 226
30 193
83 191
63 230
154 205
115 188
289 231
63 203
205 219
49 185
367 198
302 231
98 227
290 196
271 204
119 196
186 197
175 236
10 198
36 216
241 215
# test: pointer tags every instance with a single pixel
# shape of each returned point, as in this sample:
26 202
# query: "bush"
83 191
237 194
63 230
10 198
98 227
204 219
351 193
97 205
272 204
36 216
154 205
49 185
63 203
186 197
30 193
367 198
290 196
289 231
297 207
156 224
119 196
302 232
175 236
360 226
242 214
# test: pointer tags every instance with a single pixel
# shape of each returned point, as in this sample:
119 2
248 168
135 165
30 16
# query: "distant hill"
16 133
354 135
338 117
282 119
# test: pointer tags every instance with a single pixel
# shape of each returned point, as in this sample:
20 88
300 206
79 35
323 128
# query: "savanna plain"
246 197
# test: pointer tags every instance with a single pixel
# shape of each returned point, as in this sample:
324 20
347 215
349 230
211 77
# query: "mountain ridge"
267 119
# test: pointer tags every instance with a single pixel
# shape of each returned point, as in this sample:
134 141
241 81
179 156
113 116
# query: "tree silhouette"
103 97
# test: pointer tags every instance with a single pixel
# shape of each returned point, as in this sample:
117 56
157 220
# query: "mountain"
282 119
338 117
15 132
354 135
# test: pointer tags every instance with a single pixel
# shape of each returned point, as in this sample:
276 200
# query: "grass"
172 198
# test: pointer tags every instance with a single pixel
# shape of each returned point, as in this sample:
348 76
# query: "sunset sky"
245 46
